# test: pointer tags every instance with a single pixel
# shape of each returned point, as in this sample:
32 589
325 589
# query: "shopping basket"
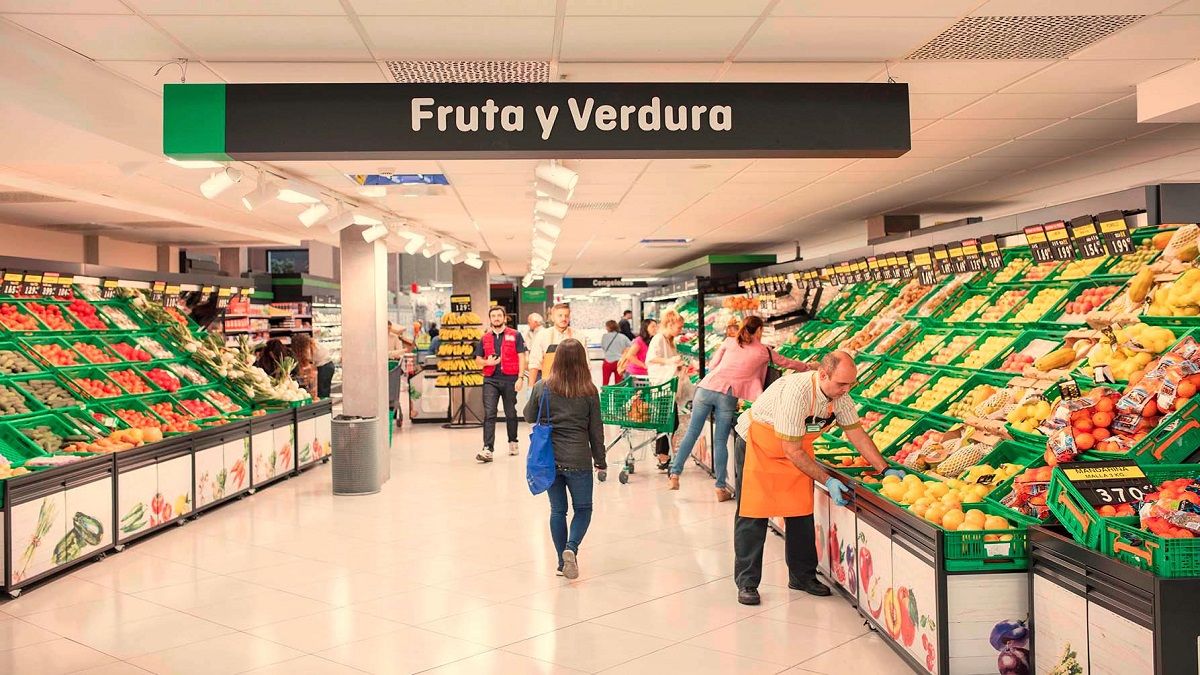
640 409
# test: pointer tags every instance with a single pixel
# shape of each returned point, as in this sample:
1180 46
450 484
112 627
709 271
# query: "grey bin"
356 460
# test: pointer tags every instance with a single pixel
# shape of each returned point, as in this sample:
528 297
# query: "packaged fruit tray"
14 360
1138 345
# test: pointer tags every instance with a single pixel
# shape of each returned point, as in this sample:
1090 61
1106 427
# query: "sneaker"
664 462
672 482
724 494
812 587
514 448
558 573
484 455
748 596
570 568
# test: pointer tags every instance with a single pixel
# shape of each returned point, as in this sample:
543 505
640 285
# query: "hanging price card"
49 284
873 268
171 296
460 303
65 282
941 259
31 284
957 262
1087 237
970 249
1119 481
989 252
905 265
157 291
108 288
923 261
1039 245
223 295
1060 241
12 283
207 293
1115 233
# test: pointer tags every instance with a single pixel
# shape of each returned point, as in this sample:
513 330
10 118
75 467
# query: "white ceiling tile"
903 163
1093 76
1185 7
843 39
891 8
594 38
638 72
454 8
665 8
240 7
455 167
63 7
792 178
1069 7
967 130
457 37
1124 108
270 71
988 161
102 37
832 71
1044 148
698 165
937 106
960 77
822 165
1093 129
1028 106
1157 37
143 73
274 38
950 149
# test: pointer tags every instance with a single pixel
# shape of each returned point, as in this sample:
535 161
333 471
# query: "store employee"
776 439
541 352
501 355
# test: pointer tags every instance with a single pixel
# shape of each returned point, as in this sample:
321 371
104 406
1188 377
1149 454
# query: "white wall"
320 259
31 242
125 254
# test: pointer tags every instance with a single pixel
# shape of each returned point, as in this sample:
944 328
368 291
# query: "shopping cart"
644 412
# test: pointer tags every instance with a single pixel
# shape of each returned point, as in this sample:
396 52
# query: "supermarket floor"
449 570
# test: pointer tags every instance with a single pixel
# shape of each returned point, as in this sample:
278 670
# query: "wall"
125 254
30 242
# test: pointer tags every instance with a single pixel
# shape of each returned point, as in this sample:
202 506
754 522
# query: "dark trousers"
662 444
493 391
325 380
579 483
750 537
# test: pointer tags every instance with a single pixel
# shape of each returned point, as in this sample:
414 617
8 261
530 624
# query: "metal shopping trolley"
644 412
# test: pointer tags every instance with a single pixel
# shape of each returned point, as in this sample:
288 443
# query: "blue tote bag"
540 470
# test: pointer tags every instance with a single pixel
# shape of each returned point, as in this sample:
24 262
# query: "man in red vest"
501 355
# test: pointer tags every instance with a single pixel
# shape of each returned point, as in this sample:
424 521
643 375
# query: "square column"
364 334
473 282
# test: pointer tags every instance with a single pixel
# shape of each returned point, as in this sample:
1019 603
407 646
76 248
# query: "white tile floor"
449 570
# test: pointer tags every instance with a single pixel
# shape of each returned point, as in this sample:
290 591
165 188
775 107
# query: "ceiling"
990 136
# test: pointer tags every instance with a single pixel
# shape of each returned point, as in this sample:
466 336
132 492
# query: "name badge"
510 338
814 428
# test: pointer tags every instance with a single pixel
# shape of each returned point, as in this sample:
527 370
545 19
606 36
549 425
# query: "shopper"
732 327
738 371
304 351
614 343
626 326
325 370
270 357
573 405
501 355
663 363
397 343
541 352
774 447
635 354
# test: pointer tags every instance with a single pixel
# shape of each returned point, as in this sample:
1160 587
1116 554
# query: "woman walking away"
614 344
573 406
739 369
635 354
663 363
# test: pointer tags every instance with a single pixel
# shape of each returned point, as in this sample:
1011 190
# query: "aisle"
450 570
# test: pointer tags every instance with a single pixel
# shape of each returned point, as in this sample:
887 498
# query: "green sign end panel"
533 295
194 122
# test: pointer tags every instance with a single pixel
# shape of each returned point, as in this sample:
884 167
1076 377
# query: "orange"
1106 405
1186 389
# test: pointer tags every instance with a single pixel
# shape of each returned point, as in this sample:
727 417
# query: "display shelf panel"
89 519
136 492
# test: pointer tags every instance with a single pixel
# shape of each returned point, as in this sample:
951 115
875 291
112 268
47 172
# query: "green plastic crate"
16 448
16 351
24 383
920 425
976 380
1051 320
32 404
1173 440
60 425
74 325
31 343
1021 343
98 343
971 552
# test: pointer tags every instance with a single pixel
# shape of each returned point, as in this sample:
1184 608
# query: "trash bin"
356 460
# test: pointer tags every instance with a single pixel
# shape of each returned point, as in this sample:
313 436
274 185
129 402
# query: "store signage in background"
989 251
1060 241
923 260
171 296
970 249
602 282
1087 238
533 294
158 291
1115 233
108 288
460 304
1114 482
1039 245
582 120
31 284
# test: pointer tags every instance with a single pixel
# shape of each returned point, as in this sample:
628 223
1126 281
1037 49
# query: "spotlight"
428 251
374 233
309 217
260 195
556 180
549 229
449 254
220 182
373 191
194 163
543 245
296 192
556 210
340 222
474 262
414 245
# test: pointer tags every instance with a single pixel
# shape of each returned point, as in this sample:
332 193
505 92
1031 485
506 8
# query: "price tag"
460 303
1087 238
941 260
12 283
970 249
957 262
989 252
1039 245
923 261
223 295
906 267
31 284
49 284
172 295
108 288
1102 374
157 291
873 268
65 283
1060 241
1067 390
1115 233
1119 481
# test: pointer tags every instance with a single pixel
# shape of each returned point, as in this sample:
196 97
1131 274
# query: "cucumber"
88 528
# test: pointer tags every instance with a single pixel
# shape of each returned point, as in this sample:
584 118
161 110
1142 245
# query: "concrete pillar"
364 332
474 282
232 261
91 249
164 258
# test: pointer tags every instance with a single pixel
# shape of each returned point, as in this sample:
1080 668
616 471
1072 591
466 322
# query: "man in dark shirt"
501 355
625 326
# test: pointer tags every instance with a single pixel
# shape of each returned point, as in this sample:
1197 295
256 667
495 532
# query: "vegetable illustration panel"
90 526
306 436
987 621
1061 619
37 526
914 582
263 457
237 466
175 484
821 529
210 481
135 490
875 592
843 548
322 446
285 449
1116 645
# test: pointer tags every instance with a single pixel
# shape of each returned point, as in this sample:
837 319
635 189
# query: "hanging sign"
12 283
49 284
31 284
171 295
1119 481
460 303
974 262
1115 233
157 291
957 262
989 251
524 120
1087 238
923 261
108 288
65 284
223 295
207 294
602 282
1039 245
941 260
1061 248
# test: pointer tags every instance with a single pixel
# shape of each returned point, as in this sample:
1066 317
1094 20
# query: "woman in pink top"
738 370
635 356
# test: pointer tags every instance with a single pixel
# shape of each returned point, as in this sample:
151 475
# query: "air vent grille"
1020 37
594 206
470 71
27 198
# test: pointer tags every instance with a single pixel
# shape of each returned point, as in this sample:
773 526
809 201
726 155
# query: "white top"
322 355
789 401
545 337
661 348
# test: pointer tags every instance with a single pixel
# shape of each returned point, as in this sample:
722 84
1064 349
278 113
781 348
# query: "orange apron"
771 483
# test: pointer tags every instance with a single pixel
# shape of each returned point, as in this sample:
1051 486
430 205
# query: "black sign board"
535 120
460 303
49 284
171 296
601 282
1039 244
941 259
65 282
989 251
223 295
905 261
1060 241
1115 233
12 283
1087 238
108 288
1108 483
157 291
1068 389
957 262
923 261
31 284
971 255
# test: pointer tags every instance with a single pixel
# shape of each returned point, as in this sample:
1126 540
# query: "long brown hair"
569 374
751 326
302 350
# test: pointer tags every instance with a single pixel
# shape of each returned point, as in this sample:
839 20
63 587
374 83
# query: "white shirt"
661 348
789 400
541 345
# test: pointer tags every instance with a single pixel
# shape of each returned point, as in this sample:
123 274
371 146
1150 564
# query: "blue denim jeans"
579 483
723 408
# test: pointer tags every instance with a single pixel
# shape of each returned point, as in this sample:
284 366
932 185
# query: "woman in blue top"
614 343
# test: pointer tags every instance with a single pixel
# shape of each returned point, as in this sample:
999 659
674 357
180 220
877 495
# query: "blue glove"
837 491
898 473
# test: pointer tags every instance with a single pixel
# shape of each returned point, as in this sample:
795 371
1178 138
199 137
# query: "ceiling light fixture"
549 229
414 245
260 195
219 182
554 209
195 163
296 192
556 180
544 247
310 216
474 262
374 233
373 191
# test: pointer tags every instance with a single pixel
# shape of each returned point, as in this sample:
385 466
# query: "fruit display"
85 313
1008 301
49 393
898 332
882 382
908 387
1080 269
152 347
847 462
1039 305
866 335
1012 269
909 296
932 395
965 406
1172 510
131 353
174 421
222 401
461 319
118 318
47 439
935 300
952 349
1029 415
186 372
96 388
967 308
199 408
55 355
165 379
12 402
1132 262
51 316
922 347
1177 298
1136 346
92 353
136 419
15 319
890 432
130 381
13 362
1040 271
983 353
1090 299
